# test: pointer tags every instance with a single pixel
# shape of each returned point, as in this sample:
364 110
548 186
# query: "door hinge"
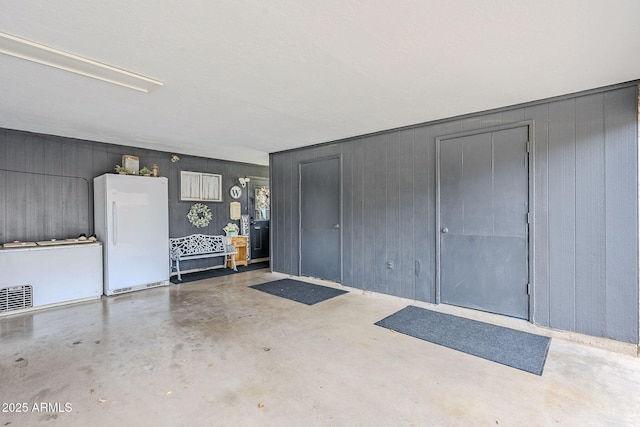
528 288
528 146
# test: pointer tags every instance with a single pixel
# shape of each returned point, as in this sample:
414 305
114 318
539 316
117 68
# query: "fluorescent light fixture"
35 52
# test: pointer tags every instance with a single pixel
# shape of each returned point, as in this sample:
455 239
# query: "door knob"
445 230
336 226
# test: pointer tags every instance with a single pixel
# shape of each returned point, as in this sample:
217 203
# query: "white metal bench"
197 246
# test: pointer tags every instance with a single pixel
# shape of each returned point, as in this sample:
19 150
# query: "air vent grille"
119 291
16 298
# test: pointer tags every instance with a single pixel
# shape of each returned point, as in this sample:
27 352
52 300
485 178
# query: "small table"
240 243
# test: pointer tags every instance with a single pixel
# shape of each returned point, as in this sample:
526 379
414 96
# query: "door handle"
337 226
114 223
445 230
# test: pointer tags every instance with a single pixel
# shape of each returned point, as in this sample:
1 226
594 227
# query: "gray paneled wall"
585 220
46 186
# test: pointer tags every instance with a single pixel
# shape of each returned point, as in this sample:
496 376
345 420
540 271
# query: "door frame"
340 213
531 217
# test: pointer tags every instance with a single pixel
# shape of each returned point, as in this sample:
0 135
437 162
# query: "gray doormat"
217 272
520 350
298 291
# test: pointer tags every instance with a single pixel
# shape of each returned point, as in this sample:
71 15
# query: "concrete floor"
217 353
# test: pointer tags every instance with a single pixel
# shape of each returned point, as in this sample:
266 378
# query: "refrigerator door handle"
114 223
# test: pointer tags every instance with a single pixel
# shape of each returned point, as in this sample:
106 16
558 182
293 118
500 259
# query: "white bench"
197 246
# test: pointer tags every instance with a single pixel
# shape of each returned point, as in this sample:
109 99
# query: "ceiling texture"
243 78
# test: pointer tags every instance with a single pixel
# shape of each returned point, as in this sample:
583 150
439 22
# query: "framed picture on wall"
211 187
200 186
190 185
131 162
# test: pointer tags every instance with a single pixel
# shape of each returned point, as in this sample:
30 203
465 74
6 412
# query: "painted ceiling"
245 78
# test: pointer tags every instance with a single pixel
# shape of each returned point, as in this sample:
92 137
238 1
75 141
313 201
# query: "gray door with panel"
320 250
484 205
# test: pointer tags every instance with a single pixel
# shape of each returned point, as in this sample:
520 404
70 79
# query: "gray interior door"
320 252
484 202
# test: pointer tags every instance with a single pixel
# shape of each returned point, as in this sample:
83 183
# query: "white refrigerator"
131 216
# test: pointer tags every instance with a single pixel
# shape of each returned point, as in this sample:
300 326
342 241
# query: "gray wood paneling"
621 139
406 215
53 150
291 209
513 116
423 215
347 212
33 194
378 192
471 123
454 126
430 252
279 215
16 203
585 256
590 214
274 236
294 212
46 186
539 114
392 220
371 205
359 229
494 119
288 210
562 214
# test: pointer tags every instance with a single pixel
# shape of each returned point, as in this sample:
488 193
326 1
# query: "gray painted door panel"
320 219
485 272
483 219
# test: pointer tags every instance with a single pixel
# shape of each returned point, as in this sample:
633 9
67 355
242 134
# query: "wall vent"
153 285
16 298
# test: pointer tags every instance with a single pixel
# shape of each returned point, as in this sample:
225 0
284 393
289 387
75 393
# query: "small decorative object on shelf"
231 229
155 171
122 170
145 171
244 221
199 215
132 163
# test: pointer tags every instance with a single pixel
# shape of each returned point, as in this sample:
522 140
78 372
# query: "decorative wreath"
199 215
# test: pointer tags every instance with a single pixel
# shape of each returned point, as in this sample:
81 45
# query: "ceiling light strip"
41 54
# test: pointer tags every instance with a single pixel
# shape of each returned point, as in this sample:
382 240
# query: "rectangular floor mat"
295 290
520 350
217 272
